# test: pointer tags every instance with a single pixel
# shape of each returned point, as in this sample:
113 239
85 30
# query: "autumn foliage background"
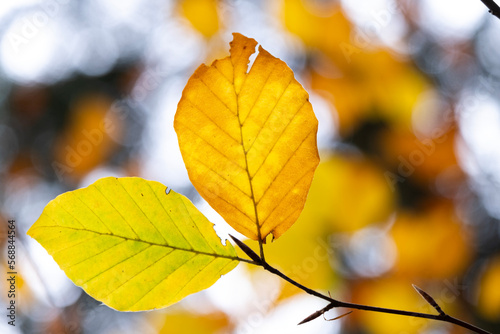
407 192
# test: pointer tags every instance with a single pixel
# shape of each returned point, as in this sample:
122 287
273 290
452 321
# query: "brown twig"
494 9
333 303
440 317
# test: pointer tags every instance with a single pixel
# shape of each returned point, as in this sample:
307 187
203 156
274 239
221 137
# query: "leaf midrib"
143 241
240 125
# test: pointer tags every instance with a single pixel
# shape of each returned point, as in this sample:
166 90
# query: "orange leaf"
249 139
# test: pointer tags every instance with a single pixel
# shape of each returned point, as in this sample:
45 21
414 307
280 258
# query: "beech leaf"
249 139
130 244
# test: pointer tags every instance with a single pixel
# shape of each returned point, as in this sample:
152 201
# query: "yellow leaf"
131 245
249 139
202 14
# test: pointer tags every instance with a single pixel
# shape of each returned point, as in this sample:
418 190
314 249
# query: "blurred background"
408 190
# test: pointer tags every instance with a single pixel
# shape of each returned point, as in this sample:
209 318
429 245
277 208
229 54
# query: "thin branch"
275 271
261 247
246 260
338 317
444 318
333 303
440 317
493 7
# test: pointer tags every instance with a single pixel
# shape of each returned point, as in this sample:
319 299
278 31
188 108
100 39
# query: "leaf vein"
209 144
211 120
75 195
285 193
221 176
286 163
269 116
160 281
94 255
258 96
234 206
73 245
168 214
144 214
192 278
218 98
117 212
278 138
138 273
149 242
197 228
222 74
69 213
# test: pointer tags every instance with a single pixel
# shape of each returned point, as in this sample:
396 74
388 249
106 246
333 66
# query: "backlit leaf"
249 139
130 244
